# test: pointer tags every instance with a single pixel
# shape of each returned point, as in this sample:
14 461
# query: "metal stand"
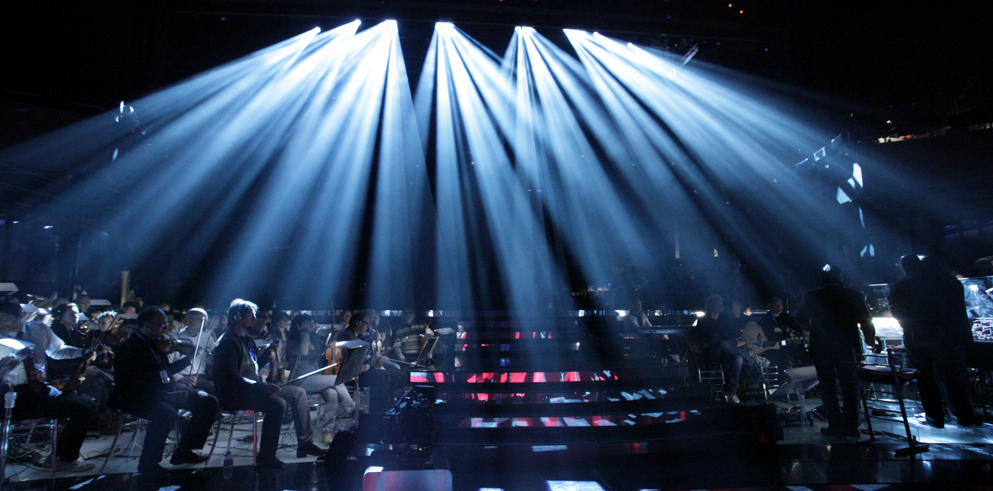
889 375
802 379
9 398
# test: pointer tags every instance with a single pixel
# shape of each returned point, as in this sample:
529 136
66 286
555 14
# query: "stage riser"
715 422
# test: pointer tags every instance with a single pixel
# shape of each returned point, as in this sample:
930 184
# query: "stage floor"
804 458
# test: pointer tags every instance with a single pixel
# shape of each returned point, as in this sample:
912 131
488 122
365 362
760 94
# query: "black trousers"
946 364
731 361
74 411
830 374
163 416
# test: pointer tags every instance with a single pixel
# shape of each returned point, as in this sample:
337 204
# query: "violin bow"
196 349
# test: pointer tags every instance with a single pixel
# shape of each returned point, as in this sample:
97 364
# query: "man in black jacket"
930 306
144 388
833 314
240 387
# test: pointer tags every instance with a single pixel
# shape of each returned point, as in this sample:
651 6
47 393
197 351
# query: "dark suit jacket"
231 368
833 314
931 309
137 381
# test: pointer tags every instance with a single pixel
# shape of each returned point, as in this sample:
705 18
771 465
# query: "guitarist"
778 325
35 398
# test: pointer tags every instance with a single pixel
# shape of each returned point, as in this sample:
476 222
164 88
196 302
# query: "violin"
166 345
333 355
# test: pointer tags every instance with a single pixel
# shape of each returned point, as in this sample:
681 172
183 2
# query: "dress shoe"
308 448
973 421
63 466
180 457
936 423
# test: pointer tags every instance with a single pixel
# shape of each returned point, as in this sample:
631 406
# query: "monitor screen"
979 306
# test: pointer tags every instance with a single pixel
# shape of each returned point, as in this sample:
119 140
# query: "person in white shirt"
195 321
636 318
35 398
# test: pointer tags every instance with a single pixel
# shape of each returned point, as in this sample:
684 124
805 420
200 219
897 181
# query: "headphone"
237 315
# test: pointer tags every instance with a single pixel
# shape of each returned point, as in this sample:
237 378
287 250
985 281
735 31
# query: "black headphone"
237 315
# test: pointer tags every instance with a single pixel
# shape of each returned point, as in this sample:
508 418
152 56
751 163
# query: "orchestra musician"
378 381
198 330
778 325
145 389
303 356
35 398
240 387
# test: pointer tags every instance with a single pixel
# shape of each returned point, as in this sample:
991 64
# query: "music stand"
353 355
426 351
802 379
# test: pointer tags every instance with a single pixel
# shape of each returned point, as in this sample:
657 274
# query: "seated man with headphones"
239 387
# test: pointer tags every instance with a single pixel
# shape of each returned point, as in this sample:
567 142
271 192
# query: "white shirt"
638 320
46 343
207 342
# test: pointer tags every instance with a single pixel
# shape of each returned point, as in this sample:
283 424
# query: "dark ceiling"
919 60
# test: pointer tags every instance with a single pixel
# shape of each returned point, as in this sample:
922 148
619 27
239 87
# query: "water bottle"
228 465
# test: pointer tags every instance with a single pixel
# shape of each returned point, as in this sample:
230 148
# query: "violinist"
35 398
198 330
240 387
65 325
145 389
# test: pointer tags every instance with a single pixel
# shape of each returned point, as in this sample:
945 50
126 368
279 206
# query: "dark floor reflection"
771 467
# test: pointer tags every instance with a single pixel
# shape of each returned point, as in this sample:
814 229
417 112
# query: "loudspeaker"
339 450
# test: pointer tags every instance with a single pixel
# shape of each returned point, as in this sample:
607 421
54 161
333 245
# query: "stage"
820 464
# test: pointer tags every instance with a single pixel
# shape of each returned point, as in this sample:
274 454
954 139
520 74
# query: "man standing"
240 387
144 388
35 398
834 314
930 306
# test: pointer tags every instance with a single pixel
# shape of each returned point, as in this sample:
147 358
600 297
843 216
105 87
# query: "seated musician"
715 345
378 381
35 398
304 352
778 325
408 338
636 318
145 389
198 330
240 387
